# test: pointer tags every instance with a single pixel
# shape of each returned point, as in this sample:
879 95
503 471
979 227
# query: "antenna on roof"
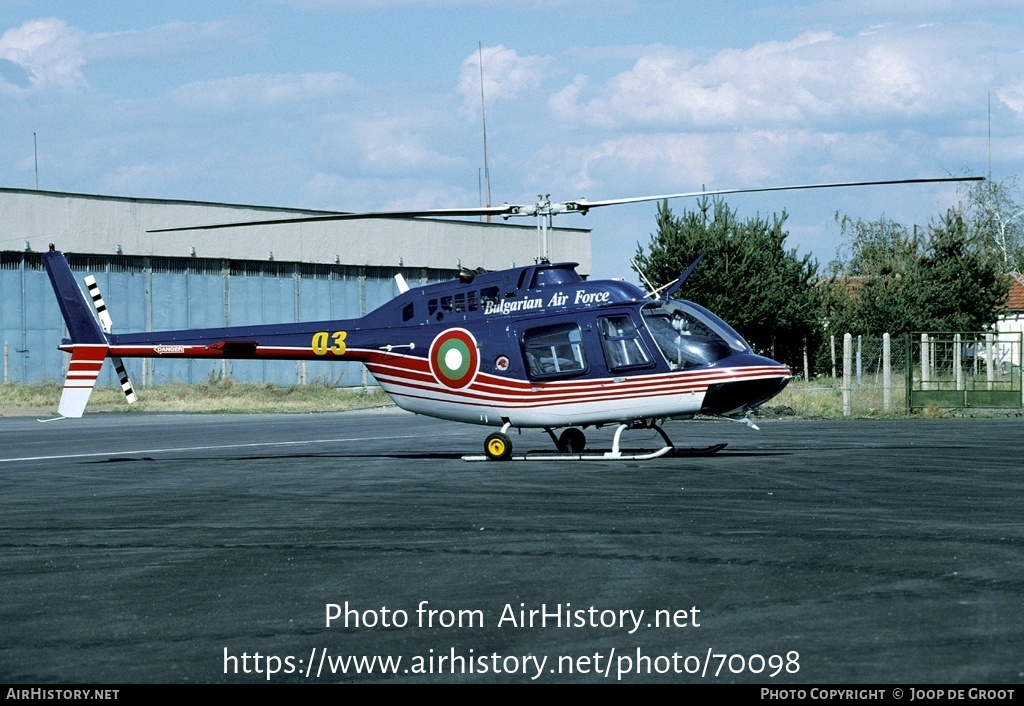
483 118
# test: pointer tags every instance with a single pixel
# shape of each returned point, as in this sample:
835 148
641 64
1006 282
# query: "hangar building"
231 277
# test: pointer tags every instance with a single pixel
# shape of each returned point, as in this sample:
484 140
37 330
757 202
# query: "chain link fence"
965 370
868 376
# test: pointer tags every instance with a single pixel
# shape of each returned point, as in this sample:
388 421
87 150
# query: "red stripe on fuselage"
502 392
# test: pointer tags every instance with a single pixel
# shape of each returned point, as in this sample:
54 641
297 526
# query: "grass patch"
823 399
209 397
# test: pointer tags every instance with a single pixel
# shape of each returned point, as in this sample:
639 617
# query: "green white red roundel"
454 358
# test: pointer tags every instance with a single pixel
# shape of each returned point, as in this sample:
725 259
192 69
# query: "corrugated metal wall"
153 294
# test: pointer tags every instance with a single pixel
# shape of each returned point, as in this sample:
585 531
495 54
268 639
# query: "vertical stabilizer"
76 309
88 342
84 368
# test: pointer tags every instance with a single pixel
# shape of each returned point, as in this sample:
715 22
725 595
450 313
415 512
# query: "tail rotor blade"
126 383
106 322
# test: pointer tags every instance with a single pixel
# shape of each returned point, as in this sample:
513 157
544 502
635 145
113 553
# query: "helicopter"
534 346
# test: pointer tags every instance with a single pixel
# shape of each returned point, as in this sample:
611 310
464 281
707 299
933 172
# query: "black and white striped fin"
97 300
106 322
126 383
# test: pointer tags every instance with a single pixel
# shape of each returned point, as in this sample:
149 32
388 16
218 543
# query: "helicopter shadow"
431 456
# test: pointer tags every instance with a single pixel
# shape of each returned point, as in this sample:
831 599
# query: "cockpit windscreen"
689 335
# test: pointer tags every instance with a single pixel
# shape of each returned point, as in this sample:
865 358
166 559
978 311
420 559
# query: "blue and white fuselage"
534 346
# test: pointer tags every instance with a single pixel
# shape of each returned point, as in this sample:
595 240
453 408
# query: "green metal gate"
955 370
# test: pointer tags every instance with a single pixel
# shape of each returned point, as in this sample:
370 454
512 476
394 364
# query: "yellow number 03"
321 339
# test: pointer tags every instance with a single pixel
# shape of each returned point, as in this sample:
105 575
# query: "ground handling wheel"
498 447
572 441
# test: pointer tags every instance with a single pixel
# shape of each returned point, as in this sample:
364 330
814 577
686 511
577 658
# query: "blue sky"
375 104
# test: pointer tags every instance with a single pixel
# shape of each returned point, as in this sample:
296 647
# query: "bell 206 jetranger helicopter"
527 347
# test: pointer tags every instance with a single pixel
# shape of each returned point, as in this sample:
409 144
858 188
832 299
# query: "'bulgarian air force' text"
582 298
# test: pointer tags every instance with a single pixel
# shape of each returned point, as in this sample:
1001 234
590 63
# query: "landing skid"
570 444
665 452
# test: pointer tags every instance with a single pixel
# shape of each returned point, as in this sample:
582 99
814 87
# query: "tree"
960 283
748 277
869 292
994 212
949 279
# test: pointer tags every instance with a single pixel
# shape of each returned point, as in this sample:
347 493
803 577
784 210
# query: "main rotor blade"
583 205
545 207
503 210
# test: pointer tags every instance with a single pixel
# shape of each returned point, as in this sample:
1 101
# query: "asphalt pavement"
358 547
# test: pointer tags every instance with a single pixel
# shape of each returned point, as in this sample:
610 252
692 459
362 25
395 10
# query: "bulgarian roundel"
454 359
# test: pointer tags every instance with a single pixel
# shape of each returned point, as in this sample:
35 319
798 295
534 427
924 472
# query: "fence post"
806 372
6 360
958 371
925 366
886 373
990 373
833 342
1020 364
847 374
860 365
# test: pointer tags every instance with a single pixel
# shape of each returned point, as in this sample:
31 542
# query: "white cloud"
393 145
54 55
872 10
170 39
1013 97
262 89
361 194
668 162
48 50
883 74
542 6
506 75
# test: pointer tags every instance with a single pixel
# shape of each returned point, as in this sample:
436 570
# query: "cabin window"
408 311
554 351
431 307
623 347
554 276
489 295
446 303
460 303
471 301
